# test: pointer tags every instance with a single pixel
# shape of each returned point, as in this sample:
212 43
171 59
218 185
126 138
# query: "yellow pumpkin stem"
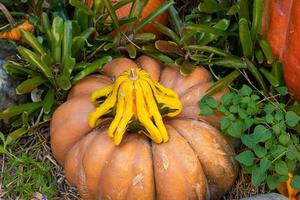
135 96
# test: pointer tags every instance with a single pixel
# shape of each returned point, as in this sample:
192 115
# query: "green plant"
225 36
51 65
119 36
22 175
265 127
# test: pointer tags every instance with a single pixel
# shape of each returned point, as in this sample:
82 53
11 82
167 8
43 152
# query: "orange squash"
15 34
281 26
196 163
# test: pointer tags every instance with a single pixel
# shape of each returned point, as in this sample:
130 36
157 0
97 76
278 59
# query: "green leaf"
115 21
281 168
261 134
269 118
291 118
36 61
282 90
265 164
57 33
260 151
236 129
266 48
279 115
30 84
13 111
92 67
248 122
227 98
32 41
205 110
208 37
245 38
82 6
2 149
272 182
284 138
296 182
221 84
153 15
246 158
224 123
258 176
16 135
242 113
278 151
211 6
293 153
167 31
270 77
49 101
245 91
211 102
276 128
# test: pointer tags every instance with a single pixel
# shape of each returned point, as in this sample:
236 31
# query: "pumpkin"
195 161
15 33
281 26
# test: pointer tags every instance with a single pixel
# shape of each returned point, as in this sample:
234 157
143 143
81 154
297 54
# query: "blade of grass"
153 15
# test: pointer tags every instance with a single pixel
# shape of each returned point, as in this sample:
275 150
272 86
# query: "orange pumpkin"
196 163
15 33
281 26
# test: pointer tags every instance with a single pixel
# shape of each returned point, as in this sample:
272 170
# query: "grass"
31 172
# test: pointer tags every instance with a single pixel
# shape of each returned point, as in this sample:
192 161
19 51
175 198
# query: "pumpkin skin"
196 163
281 26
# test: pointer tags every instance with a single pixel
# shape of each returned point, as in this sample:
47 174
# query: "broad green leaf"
245 90
213 103
246 158
284 138
296 182
291 118
260 151
224 123
261 134
236 129
272 181
281 168
282 90
205 110
258 176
